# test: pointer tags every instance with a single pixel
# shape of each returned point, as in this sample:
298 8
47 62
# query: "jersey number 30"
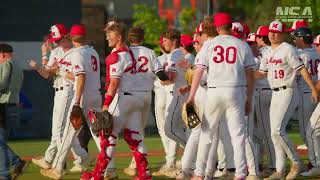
228 55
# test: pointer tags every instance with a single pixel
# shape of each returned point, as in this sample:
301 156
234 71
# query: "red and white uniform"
84 60
62 101
281 64
128 107
225 58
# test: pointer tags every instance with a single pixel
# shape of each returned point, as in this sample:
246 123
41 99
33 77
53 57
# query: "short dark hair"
265 39
173 34
227 27
5 48
136 35
189 48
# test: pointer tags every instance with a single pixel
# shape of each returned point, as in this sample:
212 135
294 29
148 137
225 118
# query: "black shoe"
18 170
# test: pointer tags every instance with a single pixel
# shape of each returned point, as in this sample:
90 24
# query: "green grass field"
31 148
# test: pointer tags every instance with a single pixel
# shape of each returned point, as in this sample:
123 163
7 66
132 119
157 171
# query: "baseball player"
187 48
170 146
262 106
146 60
229 63
57 67
298 24
316 42
85 68
313 139
302 38
280 65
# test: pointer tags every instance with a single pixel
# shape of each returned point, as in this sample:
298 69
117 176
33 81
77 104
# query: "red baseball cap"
251 37
58 31
263 31
199 29
237 30
316 40
298 24
221 19
78 30
277 26
186 40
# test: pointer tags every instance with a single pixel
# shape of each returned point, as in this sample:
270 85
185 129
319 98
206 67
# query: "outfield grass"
31 148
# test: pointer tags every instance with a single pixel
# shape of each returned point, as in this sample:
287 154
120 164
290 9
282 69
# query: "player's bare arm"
306 76
184 89
112 90
81 78
198 73
258 74
43 71
250 88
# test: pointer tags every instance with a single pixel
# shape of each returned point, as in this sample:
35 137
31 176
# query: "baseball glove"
100 121
76 117
190 115
189 75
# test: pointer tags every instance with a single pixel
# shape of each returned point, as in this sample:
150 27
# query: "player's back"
92 68
145 60
227 59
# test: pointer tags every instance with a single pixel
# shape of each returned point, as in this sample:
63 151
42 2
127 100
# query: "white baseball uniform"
281 64
173 128
225 58
146 62
62 101
306 107
313 134
262 108
84 60
169 145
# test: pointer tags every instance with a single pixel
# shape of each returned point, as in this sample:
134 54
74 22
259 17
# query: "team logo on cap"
55 32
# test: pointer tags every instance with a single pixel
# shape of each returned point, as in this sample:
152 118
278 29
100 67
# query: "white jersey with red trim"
173 58
262 83
281 64
85 60
146 60
57 57
163 63
311 60
124 69
226 59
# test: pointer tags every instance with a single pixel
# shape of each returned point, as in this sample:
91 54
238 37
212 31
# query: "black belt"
263 89
59 89
279 88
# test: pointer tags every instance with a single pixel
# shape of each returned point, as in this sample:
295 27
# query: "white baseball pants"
62 101
283 104
313 137
228 102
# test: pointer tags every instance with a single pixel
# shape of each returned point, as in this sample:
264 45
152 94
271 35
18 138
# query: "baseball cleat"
78 168
130 171
110 175
312 172
294 171
164 171
41 162
18 170
51 173
276 176
220 173
181 175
